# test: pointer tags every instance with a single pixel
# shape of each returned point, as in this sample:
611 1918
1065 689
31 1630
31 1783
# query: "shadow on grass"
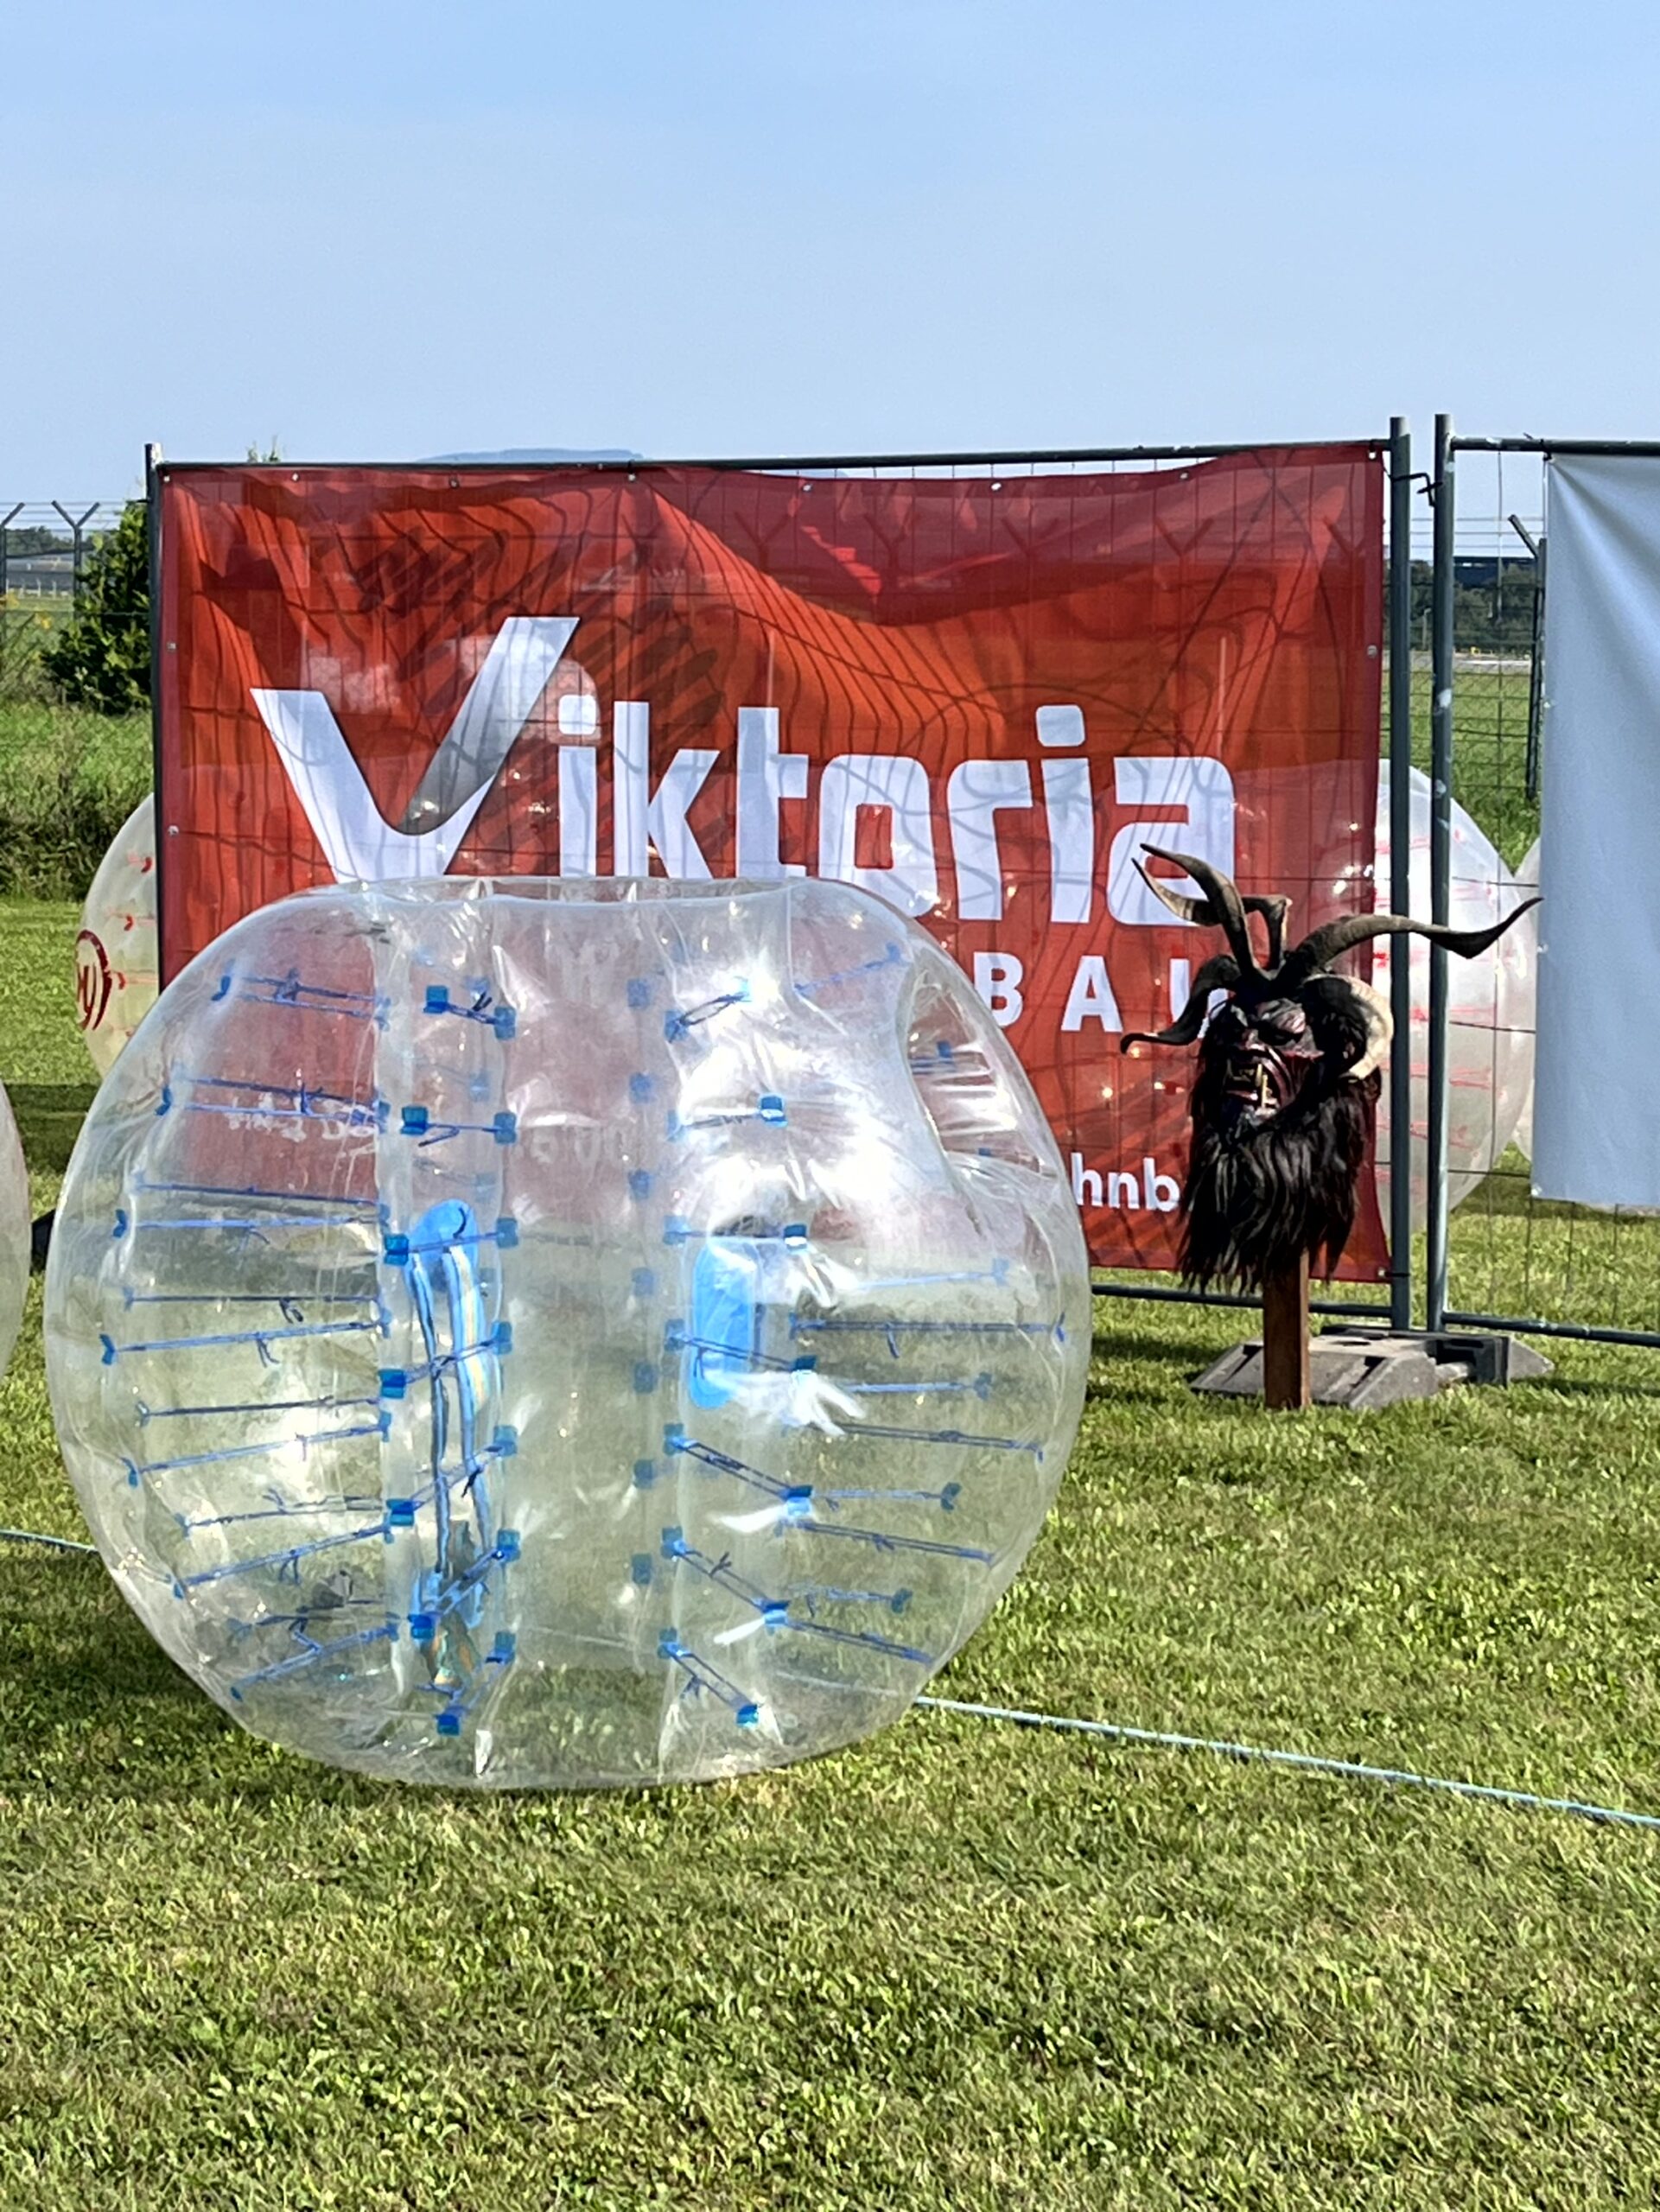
49 1115
1158 1349
1603 1389
92 1710
69 1643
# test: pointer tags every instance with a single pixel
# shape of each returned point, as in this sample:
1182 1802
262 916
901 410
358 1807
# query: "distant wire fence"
69 775
44 544
45 547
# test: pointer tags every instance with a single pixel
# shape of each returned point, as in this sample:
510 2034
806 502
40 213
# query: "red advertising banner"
974 695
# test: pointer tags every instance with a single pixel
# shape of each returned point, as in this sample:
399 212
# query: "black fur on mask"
1285 1094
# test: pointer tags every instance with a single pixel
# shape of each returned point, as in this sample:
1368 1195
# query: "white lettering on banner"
894 783
1086 1183
1069 801
1091 997
1163 1191
358 841
998 977
1060 726
1203 790
975 793
631 739
579 809
1070 804
1191 797
640 813
1149 1190
766 775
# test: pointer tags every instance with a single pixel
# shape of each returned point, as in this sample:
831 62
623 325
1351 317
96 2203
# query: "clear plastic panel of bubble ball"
116 977
1490 1002
15 1231
556 1333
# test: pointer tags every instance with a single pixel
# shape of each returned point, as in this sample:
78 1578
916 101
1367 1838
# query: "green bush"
101 657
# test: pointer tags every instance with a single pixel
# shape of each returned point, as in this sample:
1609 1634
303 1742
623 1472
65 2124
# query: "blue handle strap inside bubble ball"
446 1292
443 1269
722 1341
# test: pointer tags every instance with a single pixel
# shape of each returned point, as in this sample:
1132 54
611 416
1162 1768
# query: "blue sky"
379 231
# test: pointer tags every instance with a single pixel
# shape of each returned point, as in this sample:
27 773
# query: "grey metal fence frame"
1571 1257
1580 1303
1399 629
1395 453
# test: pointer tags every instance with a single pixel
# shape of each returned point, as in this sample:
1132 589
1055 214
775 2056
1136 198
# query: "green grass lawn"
962 1966
1490 746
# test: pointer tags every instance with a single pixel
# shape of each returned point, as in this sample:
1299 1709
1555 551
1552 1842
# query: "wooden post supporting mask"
1286 1384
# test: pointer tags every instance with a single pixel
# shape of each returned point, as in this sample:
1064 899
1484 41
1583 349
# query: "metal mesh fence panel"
1512 1256
69 774
970 620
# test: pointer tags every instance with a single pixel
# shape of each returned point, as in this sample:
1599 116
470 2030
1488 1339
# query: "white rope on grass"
52 1543
1308 1762
1120 1731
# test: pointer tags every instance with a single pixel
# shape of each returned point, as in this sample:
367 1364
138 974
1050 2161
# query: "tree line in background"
1492 604
25 538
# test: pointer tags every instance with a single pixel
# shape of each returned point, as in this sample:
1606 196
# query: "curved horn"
1222 897
1220 974
1322 946
1375 1011
1184 908
1272 906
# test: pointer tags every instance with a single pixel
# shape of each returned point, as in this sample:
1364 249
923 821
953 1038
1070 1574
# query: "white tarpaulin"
1597 1096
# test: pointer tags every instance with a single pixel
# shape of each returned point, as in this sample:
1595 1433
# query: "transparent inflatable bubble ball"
1490 1001
15 1231
554 1333
116 979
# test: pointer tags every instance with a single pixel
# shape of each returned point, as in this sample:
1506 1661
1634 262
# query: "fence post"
6 521
152 552
78 525
1400 760
1440 866
1536 677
